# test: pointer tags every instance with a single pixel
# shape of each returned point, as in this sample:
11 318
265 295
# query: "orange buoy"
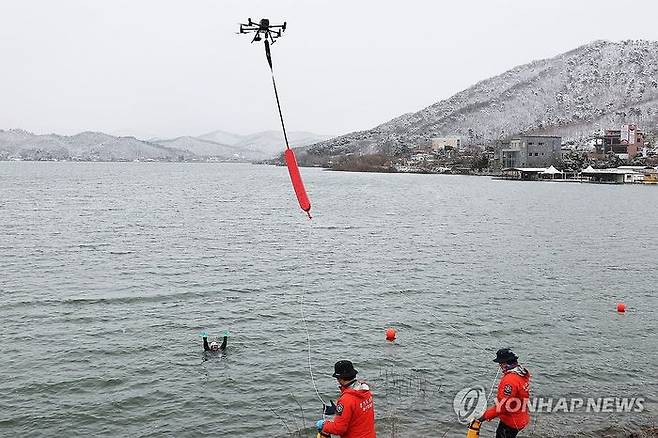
621 307
391 334
297 183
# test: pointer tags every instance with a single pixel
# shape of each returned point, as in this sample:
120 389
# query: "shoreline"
494 176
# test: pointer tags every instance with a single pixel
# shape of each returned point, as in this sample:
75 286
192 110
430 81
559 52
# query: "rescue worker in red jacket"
513 396
354 412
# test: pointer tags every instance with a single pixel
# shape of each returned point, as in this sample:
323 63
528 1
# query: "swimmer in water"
214 345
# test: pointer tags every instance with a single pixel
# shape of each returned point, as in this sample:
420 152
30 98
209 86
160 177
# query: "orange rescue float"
297 182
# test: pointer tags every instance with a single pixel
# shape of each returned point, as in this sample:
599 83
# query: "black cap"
505 355
344 369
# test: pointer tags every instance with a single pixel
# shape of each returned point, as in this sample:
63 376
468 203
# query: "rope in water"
308 336
308 343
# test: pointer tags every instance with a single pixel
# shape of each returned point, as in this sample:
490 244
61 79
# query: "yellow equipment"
473 429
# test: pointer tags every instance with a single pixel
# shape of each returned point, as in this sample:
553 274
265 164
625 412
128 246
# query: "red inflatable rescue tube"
297 182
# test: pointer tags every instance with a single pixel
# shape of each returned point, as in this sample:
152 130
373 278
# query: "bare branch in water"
301 409
284 422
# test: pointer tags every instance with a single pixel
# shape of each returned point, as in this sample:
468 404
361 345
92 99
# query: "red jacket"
512 399
355 413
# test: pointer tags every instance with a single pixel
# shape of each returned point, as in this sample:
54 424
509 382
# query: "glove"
329 410
226 333
203 334
319 425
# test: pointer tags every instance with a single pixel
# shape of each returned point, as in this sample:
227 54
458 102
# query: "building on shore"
649 174
612 176
625 143
532 173
616 175
446 143
531 151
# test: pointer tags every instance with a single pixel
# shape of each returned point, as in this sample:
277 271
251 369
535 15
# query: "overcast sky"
168 68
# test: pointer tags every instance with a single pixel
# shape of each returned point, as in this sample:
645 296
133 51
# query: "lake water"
109 271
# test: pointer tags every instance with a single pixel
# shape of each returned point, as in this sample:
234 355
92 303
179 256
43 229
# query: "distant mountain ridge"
206 148
599 85
98 146
85 146
221 137
258 146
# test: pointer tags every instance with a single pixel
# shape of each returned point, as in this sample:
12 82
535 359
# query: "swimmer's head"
214 346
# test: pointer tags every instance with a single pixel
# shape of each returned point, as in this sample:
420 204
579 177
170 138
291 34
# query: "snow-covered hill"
84 146
599 85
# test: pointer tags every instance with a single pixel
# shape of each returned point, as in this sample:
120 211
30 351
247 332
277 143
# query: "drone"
268 34
263 30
